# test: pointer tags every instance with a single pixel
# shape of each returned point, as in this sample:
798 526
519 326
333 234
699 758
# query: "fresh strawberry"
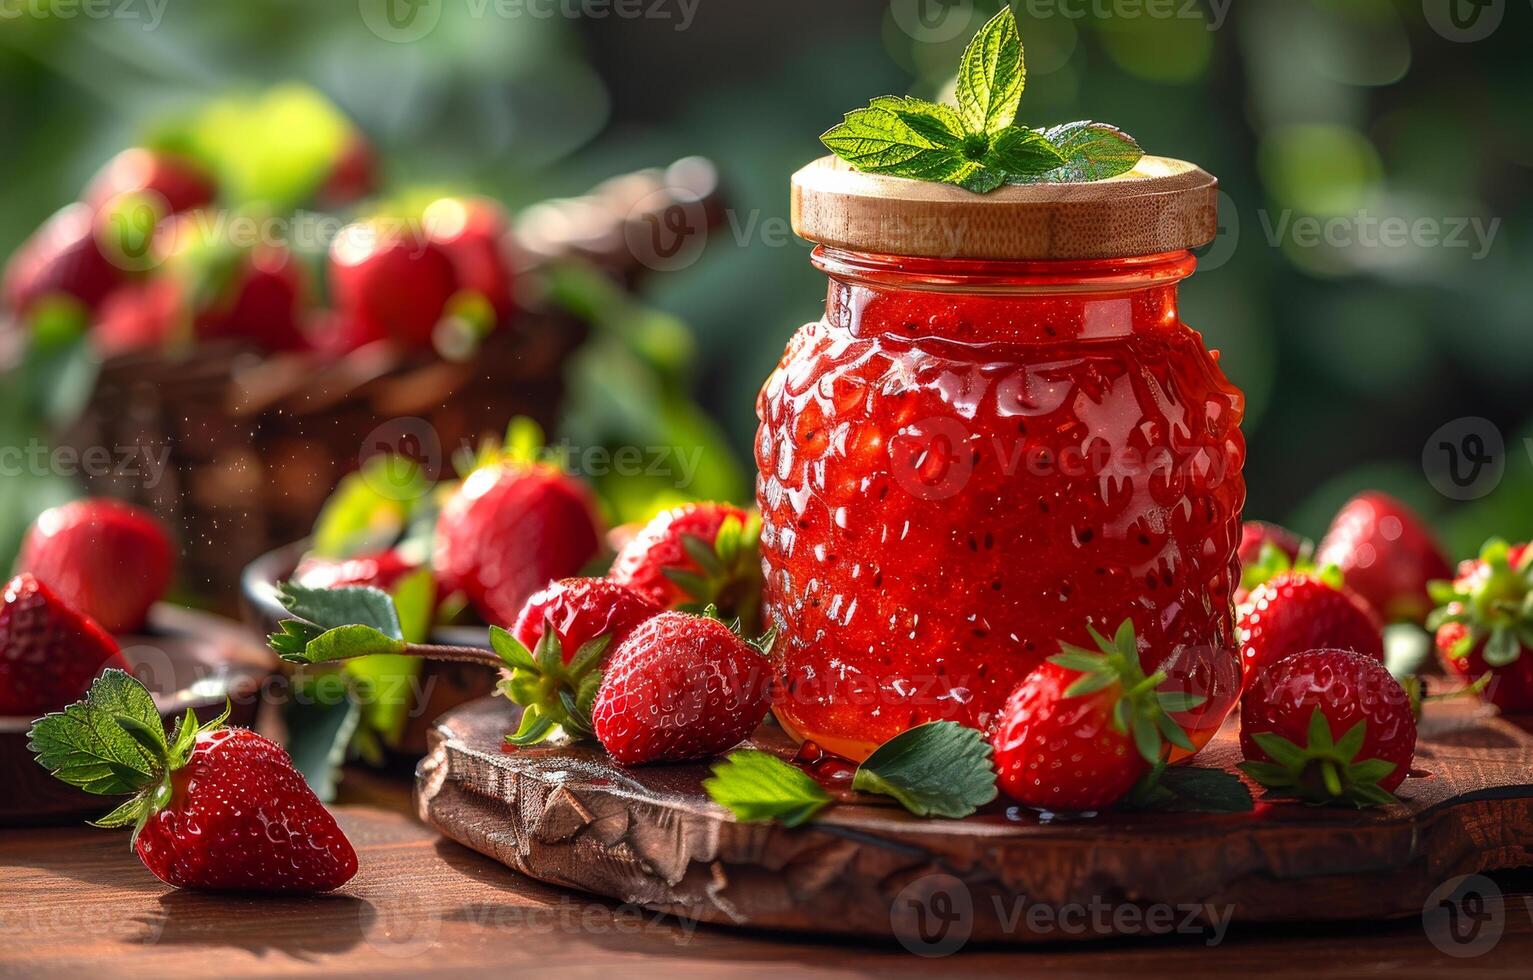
256 294
680 687
391 280
62 258
1328 726
48 651
1084 727
1299 611
1484 625
472 231
1387 554
694 556
380 571
212 808
512 527
1265 549
352 177
140 317
176 182
108 559
557 648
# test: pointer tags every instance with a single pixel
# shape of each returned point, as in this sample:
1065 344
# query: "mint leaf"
330 608
991 76
940 769
938 123
1092 151
757 786
86 746
1022 153
1187 789
879 140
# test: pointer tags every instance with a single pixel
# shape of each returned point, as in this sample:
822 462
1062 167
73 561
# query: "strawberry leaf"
341 643
757 786
87 746
351 606
940 769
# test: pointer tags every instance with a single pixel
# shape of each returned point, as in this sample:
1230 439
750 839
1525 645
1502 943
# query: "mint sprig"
979 146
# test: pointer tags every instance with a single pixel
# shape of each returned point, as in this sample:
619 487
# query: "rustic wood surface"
76 902
570 816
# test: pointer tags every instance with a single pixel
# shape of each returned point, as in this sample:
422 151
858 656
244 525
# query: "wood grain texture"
1162 205
76 902
649 836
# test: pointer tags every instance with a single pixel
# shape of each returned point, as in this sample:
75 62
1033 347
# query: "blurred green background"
1352 353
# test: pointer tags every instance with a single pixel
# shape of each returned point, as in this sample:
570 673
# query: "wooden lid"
1162 205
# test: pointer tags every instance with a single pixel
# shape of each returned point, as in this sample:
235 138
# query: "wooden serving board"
650 836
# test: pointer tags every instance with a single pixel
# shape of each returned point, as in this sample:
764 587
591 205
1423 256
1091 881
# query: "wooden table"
75 901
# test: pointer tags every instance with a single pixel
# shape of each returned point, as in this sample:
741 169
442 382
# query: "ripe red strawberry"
1299 611
256 294
557 648
1265 550
177 182
391 280
694 556
61 258
108 559
1328 726
1485 626
510 529
472 231
1084 727
140 317
212 808
380 571
48 651
1387 554
680 687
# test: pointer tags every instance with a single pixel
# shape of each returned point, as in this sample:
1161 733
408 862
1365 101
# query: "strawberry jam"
966 462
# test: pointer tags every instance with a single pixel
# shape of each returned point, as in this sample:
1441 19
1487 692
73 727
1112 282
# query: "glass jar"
968 461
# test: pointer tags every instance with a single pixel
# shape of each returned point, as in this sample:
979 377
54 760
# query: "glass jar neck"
979 301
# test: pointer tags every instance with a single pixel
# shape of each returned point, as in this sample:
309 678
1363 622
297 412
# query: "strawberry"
557 647
1265 549
382 570
1085 726
211 808
48 651
472 231
140 317
392 281
62 257
1328 726
176 182
1484 625
108 559
256 294
694 556
1298 611
680 687
1387 554
509 529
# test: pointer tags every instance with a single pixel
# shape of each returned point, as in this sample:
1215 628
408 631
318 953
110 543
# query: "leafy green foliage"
755 786
1091 151
87 744
553 694
940 769
1323 770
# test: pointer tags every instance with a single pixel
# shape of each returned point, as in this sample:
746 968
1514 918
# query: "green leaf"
757 786
370 508
511 650
354 605
343 643
991 76
292 638
1091 151
1024 154
1503 647
879 141
85 745
939 124
414 598
319 725
940 769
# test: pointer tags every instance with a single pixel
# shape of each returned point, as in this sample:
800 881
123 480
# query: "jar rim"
1000 276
